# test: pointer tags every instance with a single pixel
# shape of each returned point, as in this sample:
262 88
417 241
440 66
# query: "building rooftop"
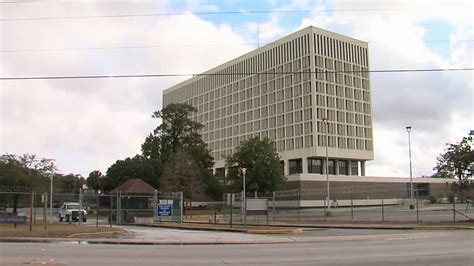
135 185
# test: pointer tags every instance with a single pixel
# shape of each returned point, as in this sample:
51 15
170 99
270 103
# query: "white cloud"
88 124
437 105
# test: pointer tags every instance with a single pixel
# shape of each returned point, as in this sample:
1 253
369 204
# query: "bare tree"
182 173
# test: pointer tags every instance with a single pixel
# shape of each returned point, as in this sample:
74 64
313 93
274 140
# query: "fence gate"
168 207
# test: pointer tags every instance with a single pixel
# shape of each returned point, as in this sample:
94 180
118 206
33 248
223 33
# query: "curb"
288 240
189 226
97 233
328 226
223 229
363 226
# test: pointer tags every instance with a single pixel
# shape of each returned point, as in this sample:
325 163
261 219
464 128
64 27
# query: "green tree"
69 183
137 167
24 172
94 179
20 173
455 160
177 132
264 170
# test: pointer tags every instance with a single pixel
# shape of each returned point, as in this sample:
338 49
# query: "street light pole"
409 156
243 170
325 120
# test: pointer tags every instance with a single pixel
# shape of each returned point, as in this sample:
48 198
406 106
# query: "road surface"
452 248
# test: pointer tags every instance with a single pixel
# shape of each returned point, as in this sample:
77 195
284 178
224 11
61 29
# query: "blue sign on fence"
12 219
164 210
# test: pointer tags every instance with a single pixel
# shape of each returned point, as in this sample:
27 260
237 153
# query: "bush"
433 199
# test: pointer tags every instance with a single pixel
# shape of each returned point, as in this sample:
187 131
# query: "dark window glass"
296 166
331 167
422 189
315 166
220 173
342 167
354 168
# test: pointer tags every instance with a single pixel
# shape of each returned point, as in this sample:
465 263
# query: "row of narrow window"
337 53
341 50
316 166
285 141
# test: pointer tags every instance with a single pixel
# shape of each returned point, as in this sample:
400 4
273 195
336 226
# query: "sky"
88 124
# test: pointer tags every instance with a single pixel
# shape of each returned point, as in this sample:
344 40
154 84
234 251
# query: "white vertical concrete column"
286 168
323 165
362 168
336 167
305 165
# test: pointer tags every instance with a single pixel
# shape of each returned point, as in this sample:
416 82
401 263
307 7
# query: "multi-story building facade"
283 91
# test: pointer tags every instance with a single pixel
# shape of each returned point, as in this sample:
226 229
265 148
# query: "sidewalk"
198 233
213 241
196 225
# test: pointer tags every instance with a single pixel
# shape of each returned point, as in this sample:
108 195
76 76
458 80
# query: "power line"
22 2
237 74
177 45
125 47
242 12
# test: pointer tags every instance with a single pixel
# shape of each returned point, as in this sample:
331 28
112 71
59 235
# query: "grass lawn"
57 230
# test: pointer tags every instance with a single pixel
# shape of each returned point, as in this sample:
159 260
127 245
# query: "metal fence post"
454 207
325 210
416 203
117 209
45 210
181 199
274 207
155 196
111 210
383 214
97 210
241 207
232 198
225 197
34 208
80 206
352 208
299 202
31 210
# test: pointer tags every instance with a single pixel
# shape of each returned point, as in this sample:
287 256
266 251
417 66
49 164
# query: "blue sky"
87 125
437 36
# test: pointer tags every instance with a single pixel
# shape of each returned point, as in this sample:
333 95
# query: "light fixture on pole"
325 120
409 156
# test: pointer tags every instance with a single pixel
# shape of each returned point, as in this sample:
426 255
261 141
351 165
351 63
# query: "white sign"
165 201
230 199
257 204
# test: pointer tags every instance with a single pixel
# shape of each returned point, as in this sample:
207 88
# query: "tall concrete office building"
283 91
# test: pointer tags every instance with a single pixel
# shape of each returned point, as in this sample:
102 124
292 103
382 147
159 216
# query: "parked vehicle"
71 211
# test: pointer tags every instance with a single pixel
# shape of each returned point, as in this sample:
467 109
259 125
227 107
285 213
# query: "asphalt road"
418 248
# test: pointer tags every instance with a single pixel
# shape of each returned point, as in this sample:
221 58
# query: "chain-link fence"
357 204
100 209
